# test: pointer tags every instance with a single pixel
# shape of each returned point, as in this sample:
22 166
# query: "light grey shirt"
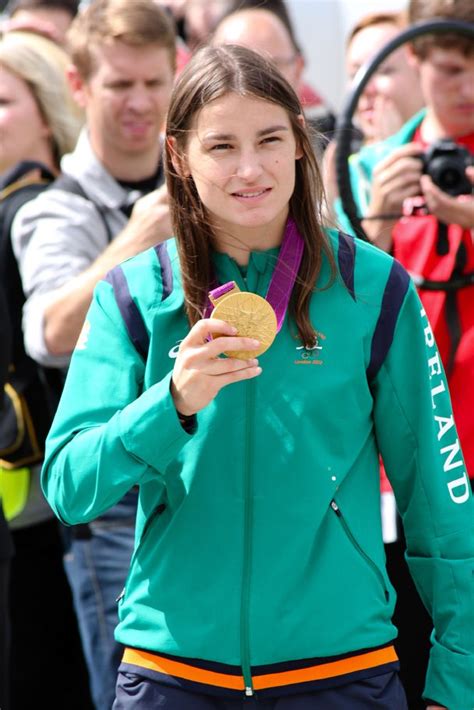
58 235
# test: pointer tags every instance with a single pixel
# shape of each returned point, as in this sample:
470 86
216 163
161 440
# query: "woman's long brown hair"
214 72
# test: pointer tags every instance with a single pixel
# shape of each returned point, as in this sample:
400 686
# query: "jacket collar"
254 277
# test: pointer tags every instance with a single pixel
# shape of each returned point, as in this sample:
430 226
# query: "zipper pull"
248 691
335 507
120 596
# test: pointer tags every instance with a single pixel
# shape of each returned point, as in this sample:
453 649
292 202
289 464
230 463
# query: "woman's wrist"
188 422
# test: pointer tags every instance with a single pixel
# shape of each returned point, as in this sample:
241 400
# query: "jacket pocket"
157 512
368 561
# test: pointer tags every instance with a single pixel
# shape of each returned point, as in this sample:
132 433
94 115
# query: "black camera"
445 162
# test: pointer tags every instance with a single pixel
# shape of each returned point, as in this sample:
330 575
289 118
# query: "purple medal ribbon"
283 277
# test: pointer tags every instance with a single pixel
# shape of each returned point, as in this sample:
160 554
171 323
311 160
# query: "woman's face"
24 134
393 93
241 154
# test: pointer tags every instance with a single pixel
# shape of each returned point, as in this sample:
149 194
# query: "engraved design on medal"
253 317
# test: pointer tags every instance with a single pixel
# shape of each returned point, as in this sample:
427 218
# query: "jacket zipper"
160 508
247 565
359 549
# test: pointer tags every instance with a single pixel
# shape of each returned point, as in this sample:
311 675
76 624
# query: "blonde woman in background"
38 118
39 123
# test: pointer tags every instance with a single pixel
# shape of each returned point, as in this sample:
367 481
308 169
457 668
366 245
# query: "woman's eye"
221 146
271 139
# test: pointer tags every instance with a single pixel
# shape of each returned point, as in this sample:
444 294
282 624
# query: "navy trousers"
383 692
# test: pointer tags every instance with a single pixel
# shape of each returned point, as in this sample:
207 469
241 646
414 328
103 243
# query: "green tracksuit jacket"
259 560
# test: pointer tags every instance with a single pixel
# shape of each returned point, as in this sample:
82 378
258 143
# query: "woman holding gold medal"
246 376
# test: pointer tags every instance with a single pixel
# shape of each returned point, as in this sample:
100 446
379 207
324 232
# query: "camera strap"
453 319
455 281
442 241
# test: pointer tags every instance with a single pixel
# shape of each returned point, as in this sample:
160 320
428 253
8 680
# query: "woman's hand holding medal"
199 372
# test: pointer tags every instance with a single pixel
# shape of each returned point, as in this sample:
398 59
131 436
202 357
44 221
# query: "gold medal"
250 314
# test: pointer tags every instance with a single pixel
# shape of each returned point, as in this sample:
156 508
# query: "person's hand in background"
445 207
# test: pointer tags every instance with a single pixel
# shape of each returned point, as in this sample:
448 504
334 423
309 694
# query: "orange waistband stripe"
372 659
182 670
332 669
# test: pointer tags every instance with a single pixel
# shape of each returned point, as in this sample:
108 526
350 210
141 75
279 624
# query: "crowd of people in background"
40 123
85 90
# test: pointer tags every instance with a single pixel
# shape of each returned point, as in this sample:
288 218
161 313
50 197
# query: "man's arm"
62 259
108 435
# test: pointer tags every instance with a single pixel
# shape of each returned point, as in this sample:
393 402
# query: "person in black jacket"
38 126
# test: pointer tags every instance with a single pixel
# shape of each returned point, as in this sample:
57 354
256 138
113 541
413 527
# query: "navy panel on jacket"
392 301
129 311
346 261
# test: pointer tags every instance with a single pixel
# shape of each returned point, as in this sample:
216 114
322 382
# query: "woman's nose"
249 165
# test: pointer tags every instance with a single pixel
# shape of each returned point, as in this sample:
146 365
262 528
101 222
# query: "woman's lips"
251 194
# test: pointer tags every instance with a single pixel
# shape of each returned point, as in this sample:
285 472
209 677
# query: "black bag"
32 392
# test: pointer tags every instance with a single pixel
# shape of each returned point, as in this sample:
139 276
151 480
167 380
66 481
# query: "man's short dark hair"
427 10
138 23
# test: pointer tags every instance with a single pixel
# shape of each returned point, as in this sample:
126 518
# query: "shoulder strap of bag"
70 184
20 174
18 187
10 204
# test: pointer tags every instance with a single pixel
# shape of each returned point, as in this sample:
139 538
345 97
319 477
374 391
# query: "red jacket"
414 244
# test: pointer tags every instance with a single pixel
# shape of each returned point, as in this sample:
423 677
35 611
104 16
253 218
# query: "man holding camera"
415 192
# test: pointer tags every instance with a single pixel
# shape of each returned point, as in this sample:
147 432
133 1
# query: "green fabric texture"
248 563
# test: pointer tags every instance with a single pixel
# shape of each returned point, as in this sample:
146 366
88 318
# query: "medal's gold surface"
253 317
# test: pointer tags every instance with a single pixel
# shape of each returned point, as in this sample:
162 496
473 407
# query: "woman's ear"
299 151
178 161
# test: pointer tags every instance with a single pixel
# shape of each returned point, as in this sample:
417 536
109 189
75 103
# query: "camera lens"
447 174
449 178
445 162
